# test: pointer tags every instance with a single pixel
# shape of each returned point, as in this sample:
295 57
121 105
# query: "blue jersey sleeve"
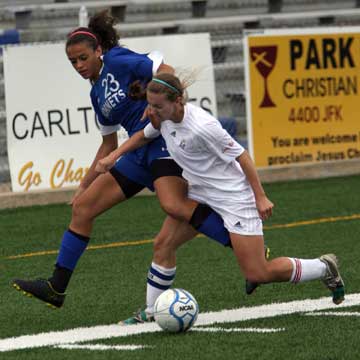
139 65
142 67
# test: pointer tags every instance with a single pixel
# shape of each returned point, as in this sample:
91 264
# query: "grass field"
310 218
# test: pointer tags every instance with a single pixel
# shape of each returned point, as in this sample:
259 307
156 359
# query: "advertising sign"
303 95
52 132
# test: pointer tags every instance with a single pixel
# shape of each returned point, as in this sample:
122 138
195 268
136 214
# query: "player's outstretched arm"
133 143
264 205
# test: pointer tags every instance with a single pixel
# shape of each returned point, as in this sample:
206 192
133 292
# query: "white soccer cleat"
332 278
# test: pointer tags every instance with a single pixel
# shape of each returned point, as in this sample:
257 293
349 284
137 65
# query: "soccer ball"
176 310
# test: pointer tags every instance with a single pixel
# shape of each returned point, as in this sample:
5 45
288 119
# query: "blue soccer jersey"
109 94
114 108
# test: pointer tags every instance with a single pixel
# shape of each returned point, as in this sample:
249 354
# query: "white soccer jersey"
206 152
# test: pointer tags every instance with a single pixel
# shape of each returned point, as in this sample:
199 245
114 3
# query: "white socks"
307 269
159 279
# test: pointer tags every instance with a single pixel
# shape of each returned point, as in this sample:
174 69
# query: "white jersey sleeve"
150 132
107 130
219 142
157 59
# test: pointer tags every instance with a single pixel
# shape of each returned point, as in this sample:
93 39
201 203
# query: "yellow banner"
303 96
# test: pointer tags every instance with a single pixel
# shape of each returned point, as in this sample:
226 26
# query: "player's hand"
105 164
265 207
154 119
145 114
150 114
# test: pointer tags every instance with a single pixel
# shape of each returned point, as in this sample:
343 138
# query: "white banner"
52 134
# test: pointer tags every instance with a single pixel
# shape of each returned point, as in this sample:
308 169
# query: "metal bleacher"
225 20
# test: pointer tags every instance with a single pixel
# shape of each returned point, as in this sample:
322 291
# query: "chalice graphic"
264 58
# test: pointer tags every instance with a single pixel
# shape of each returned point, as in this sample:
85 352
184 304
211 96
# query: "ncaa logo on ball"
176 310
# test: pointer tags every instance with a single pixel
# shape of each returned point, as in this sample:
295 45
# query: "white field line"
100 347
225 316
230 330
334 313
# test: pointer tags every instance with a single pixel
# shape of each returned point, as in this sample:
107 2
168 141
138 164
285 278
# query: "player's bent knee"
174 210
169 208
81 211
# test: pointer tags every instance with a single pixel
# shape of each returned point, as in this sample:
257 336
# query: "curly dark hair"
137 90
101 25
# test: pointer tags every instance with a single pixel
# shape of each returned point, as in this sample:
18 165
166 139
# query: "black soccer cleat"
41 289
251 286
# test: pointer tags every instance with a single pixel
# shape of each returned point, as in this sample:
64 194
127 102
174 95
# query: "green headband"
166 84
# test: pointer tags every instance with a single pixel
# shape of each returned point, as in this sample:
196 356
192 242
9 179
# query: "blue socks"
72 247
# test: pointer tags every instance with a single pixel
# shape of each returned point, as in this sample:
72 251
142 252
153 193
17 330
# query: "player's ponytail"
137 90
102 24
100 31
